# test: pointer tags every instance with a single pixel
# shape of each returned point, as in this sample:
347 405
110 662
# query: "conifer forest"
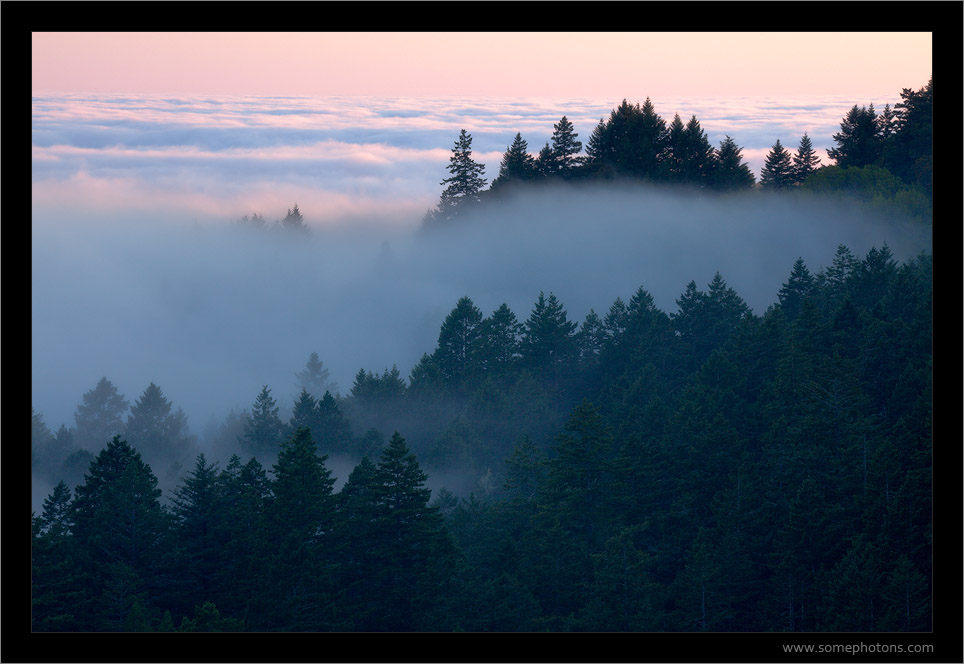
707 468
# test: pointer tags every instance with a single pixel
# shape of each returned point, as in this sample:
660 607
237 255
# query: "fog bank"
210 314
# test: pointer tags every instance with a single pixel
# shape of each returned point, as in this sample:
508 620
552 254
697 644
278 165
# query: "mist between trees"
705 470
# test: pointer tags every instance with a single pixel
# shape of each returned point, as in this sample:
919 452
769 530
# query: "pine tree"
464 185
263 428
194 507
122 533
690 314
304 413
673 160
56 590
359 588
796 289
699 158
314 378
591 338
548 337
727 309
332 430
838 277
411 552
777 172
457 355
545 163
293 221
597 148
499 340
614 321
858 141
243 491
302 489
805 161
909 153
731 173
98 418
633 142
300 519
886 123
517 164
565 147
160 433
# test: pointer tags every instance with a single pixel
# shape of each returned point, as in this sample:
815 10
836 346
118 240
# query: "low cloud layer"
240 155
211 314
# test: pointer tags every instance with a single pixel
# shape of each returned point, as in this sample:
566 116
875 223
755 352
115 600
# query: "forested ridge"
883 158
702 470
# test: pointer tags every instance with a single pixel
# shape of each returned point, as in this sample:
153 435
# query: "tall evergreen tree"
194 508
597 148
909 153
565 147
887 123
299 518
591 338
412 552
777 172
796 289
858 141
314 378
464 184
548 337
457 355
805 161
243 492
699 158
499 340
123 535
517 164
160 433
631 143
304 413
331 429
545 163
57 594
675 154
263 429
731 173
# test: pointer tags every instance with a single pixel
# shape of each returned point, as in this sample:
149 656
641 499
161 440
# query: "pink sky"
610 65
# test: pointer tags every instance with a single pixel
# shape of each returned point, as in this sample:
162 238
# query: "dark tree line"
704 470
887 156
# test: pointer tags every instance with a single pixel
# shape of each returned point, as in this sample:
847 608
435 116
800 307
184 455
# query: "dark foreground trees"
710 470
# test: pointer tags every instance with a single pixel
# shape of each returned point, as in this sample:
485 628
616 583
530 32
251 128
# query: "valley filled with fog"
211 312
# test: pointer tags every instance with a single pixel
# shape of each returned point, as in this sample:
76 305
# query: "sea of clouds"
225 157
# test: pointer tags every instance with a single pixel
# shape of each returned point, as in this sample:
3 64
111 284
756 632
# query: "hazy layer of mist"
210 313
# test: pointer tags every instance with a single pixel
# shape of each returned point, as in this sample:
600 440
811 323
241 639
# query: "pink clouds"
228 156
